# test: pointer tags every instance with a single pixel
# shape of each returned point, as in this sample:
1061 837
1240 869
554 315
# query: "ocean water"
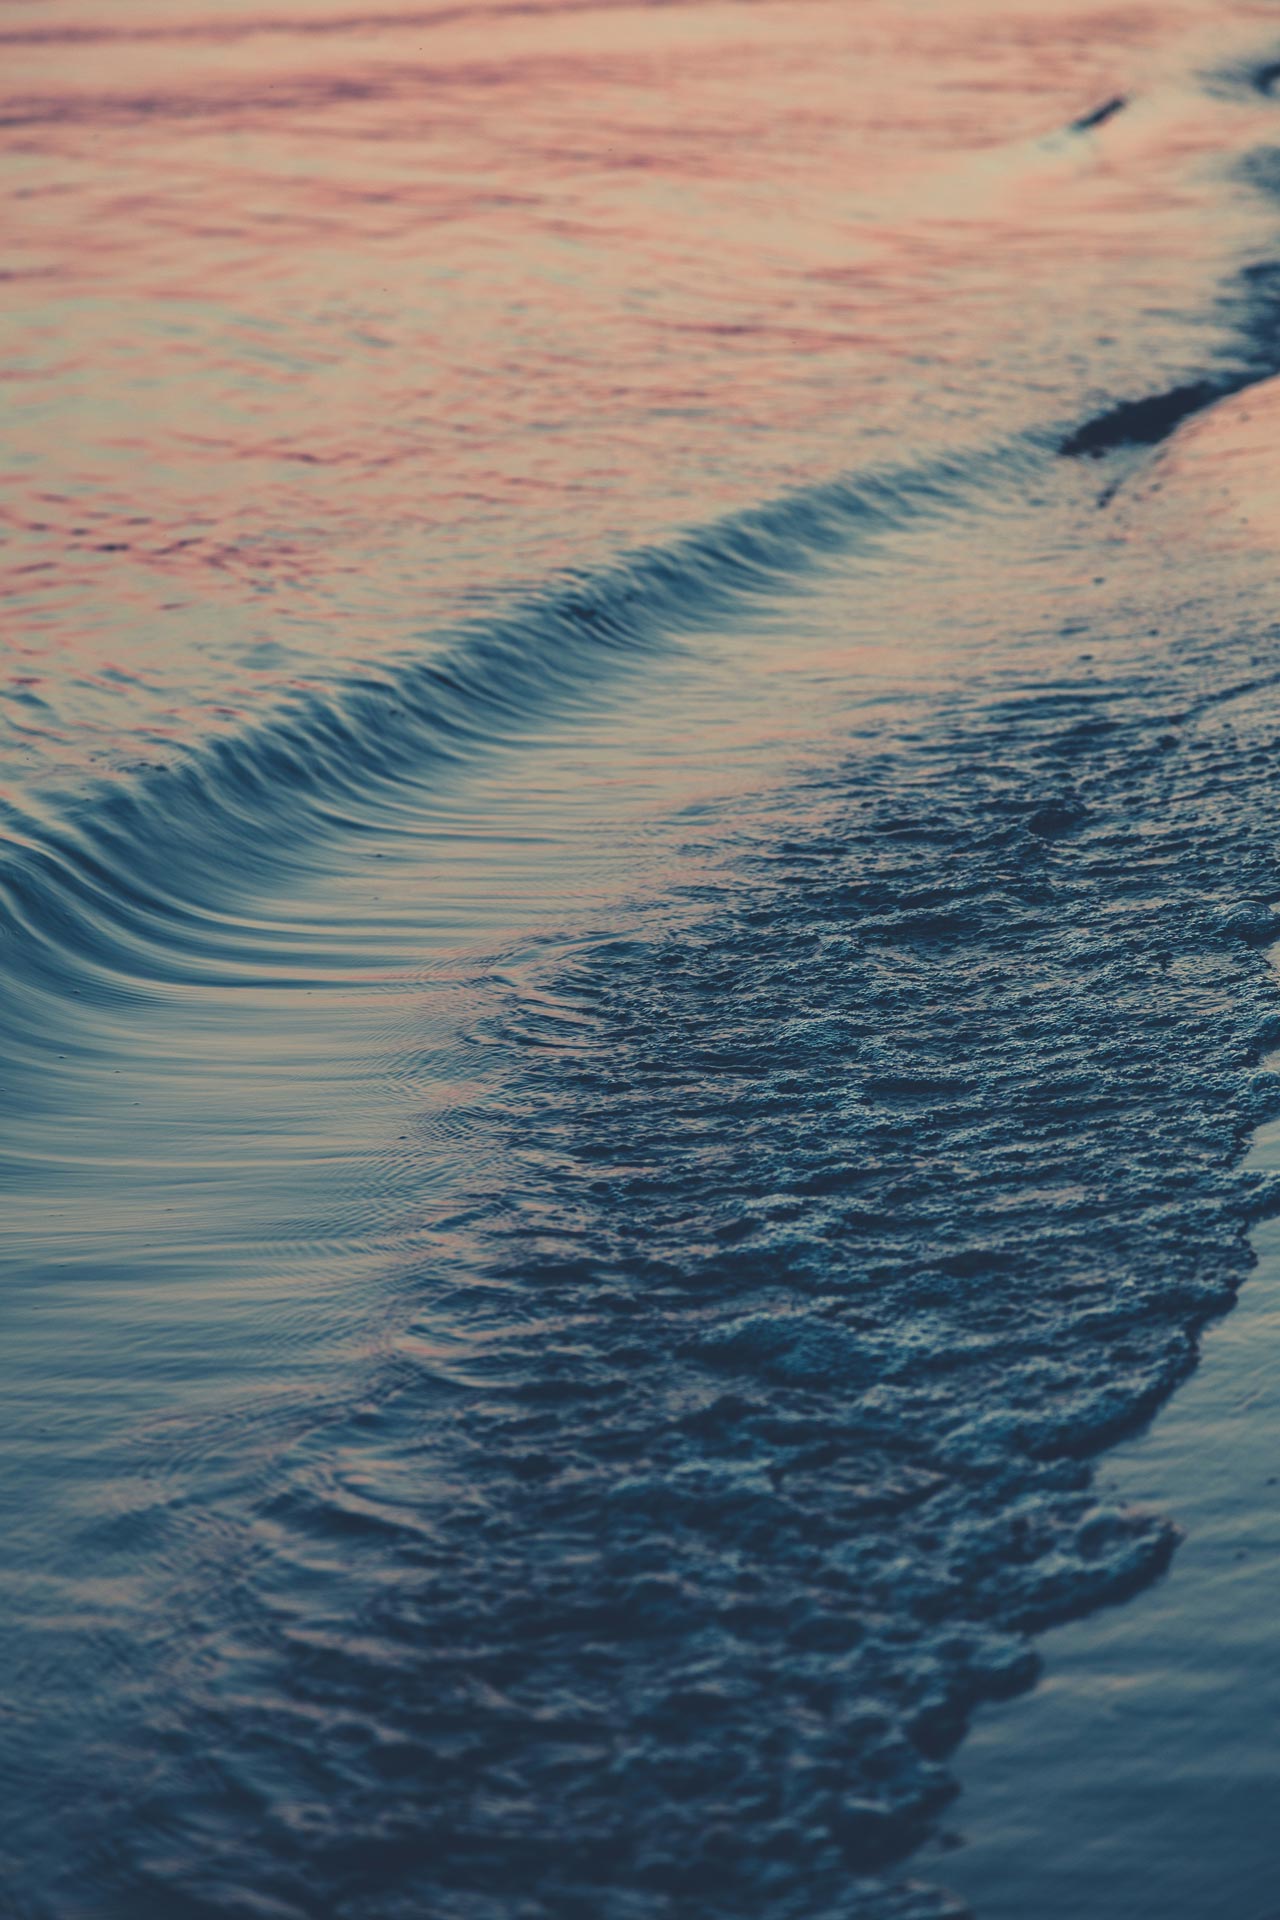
1172 1697
638 864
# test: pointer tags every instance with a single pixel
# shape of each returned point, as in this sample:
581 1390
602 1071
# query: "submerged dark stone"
1146 422
1100 115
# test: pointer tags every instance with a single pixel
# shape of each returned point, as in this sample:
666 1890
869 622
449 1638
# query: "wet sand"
1140 1777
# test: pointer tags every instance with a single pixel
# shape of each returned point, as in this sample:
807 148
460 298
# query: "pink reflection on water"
321 323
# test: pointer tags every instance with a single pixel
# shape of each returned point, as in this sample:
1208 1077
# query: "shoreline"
1137 1777
1174 1695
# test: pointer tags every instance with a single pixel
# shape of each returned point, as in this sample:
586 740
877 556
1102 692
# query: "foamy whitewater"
639 850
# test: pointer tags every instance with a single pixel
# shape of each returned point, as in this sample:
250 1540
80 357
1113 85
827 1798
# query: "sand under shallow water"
630 1039
1139 1777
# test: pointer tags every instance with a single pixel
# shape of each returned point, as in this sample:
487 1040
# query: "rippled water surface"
325 323
637 860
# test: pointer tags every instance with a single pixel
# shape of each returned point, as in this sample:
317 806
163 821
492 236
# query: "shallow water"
1139 1777
633 923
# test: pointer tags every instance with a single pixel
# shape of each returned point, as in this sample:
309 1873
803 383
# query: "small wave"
1146 422
1252 301
146 879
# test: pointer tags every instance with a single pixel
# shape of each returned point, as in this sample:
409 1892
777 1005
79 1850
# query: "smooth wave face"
635 879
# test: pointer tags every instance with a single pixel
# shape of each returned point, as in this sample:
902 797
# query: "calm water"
1139 1777
637 864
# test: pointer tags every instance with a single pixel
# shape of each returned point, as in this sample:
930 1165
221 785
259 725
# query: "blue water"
635 903
1139 1775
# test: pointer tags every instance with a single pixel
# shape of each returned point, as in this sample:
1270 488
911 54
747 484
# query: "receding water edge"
1138 1776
